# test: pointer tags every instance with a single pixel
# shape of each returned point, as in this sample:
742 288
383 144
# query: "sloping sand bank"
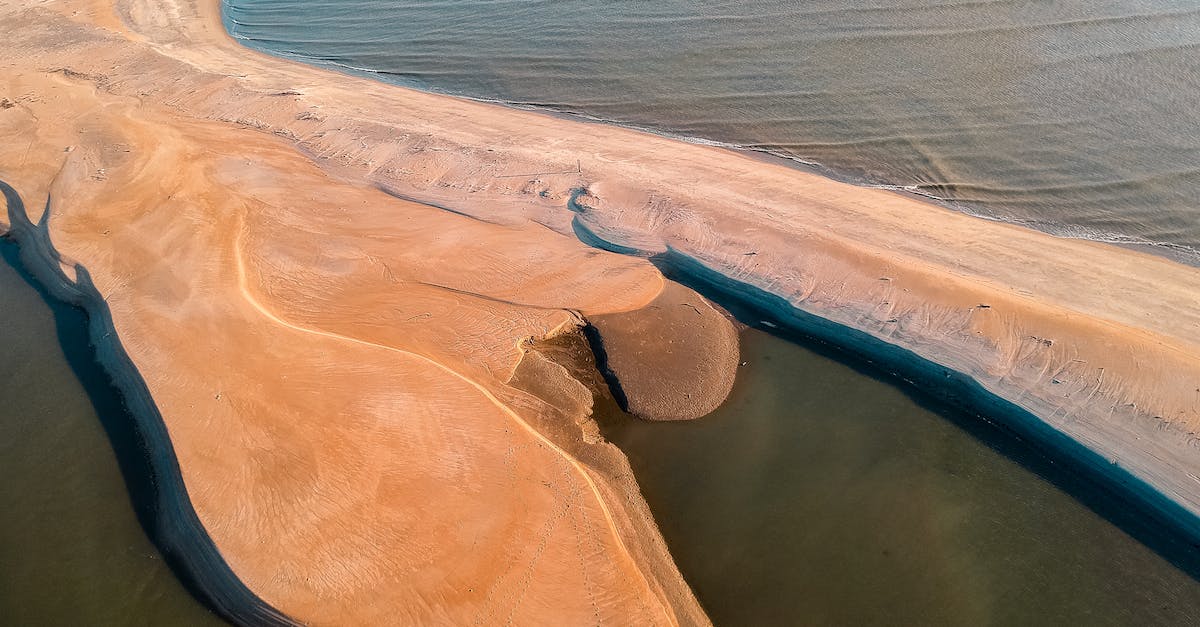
327 283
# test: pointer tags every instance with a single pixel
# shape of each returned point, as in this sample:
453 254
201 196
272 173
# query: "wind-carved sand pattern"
330 286
541 439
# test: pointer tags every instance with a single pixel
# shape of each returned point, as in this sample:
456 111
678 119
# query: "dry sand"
328 284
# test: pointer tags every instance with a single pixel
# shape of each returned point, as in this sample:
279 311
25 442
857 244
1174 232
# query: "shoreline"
1178 253
198 243
160 497
952 391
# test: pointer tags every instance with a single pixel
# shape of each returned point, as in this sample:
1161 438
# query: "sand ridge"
583 474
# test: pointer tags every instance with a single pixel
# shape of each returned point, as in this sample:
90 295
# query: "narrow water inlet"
1113 492
853 482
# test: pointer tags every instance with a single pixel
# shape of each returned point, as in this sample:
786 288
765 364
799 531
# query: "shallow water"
1077 117
819 495
71 549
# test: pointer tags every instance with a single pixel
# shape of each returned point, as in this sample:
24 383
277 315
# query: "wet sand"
358 271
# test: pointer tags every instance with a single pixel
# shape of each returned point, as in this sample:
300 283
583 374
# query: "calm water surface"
821 496
1078 117
71 549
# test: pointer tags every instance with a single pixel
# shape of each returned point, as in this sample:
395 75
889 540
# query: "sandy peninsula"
333 290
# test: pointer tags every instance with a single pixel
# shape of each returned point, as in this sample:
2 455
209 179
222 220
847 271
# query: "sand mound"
674 359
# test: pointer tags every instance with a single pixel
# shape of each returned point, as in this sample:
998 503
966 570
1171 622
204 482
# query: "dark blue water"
1078 117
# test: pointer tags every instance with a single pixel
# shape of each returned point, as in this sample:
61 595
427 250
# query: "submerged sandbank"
351 351
674 359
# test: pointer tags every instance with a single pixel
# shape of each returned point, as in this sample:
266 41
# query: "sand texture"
674 359
329 283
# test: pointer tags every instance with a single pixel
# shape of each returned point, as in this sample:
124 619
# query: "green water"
819 495
71 549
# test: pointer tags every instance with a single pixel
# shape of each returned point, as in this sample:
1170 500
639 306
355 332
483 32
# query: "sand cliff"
328 284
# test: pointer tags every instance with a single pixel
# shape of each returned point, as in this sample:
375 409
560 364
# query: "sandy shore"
328 284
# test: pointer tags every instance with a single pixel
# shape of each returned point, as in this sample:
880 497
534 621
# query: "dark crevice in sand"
1110 491
490 299
131 420
596 342
390 191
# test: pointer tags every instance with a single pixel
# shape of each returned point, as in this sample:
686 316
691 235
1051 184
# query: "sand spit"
335 363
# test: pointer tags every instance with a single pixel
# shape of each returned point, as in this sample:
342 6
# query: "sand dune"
329 283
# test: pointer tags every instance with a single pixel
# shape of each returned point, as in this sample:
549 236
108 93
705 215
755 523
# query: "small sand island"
344 314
